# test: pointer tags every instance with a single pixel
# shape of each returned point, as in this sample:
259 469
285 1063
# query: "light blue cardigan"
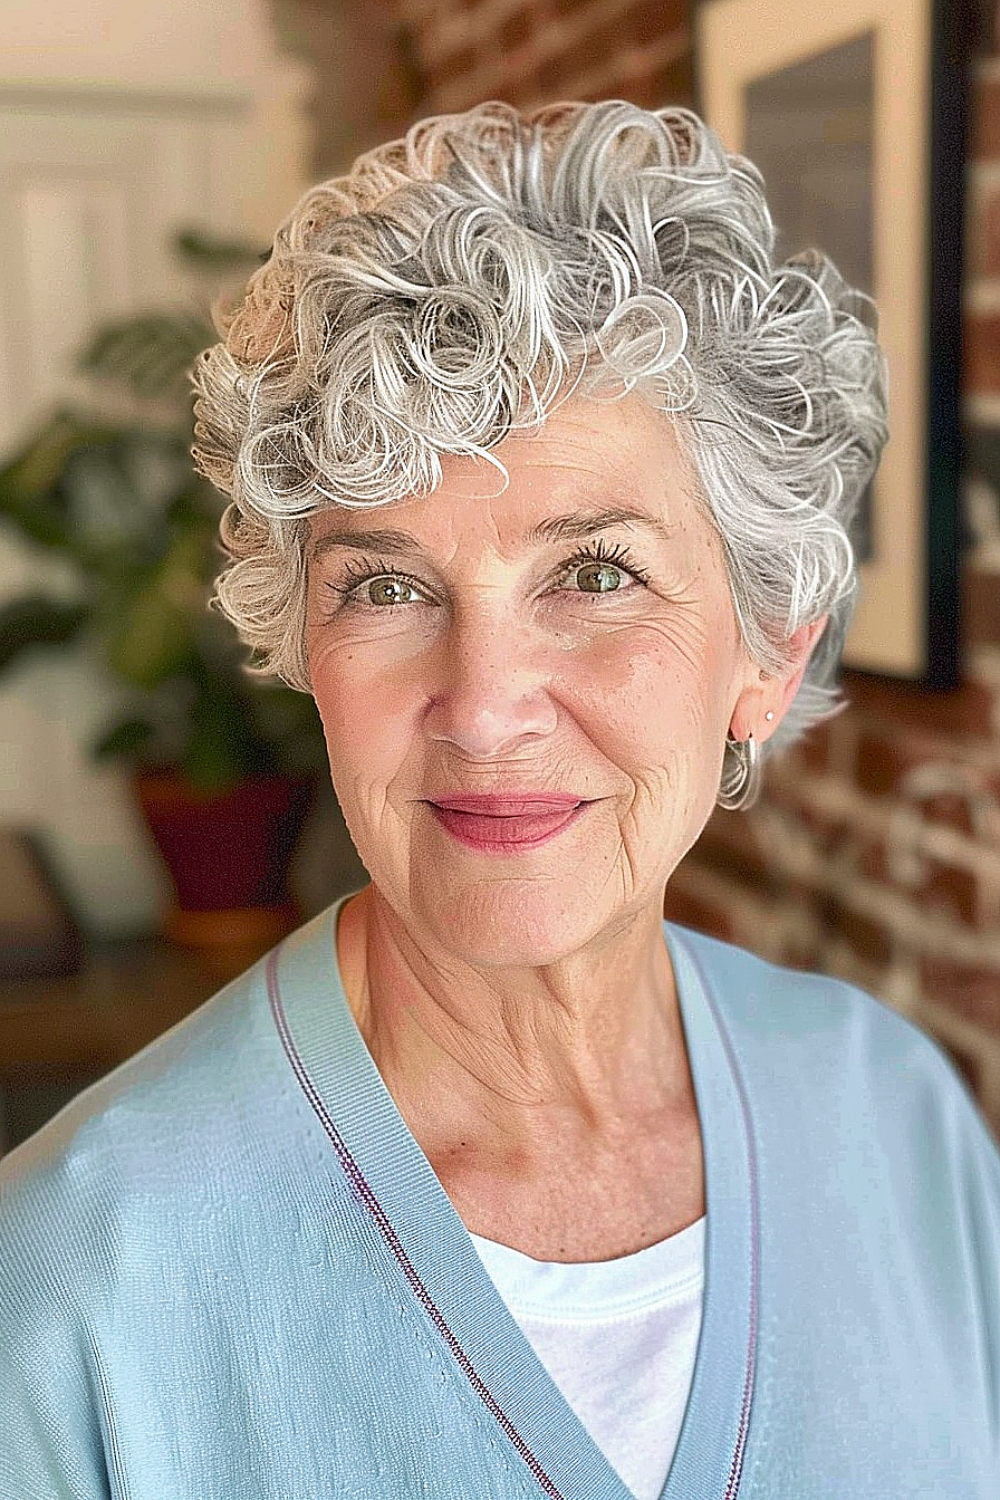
228 1272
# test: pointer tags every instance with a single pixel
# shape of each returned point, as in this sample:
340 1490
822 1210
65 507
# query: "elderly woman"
489 1182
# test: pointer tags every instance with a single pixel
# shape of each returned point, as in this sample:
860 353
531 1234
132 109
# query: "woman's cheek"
637 681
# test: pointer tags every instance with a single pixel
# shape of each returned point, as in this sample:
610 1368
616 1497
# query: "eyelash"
616 554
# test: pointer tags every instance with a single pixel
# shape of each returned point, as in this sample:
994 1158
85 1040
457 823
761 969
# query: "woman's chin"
520 922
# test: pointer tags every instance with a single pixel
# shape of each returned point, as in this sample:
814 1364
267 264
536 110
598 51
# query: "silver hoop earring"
741 777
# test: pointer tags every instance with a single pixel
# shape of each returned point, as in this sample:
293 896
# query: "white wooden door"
94 181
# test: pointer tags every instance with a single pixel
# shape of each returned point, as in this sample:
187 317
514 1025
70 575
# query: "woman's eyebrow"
572 528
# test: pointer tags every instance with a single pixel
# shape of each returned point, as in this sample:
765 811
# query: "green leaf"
120 499
151 640
221 748
151 621
290 721
125 741
149 354
31 494
217 254
36 620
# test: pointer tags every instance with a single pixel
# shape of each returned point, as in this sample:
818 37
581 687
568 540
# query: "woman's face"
518 643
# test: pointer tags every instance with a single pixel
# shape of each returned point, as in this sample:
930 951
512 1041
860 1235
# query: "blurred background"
162 819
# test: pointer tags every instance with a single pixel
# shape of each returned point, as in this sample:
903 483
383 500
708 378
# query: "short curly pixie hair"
456 284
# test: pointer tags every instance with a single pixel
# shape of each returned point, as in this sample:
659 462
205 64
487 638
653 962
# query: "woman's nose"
493 684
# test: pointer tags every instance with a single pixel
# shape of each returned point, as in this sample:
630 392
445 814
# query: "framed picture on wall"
855 114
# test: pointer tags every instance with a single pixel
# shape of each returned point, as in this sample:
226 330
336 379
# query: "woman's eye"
604 570
372 588
388 591
594 570
598 578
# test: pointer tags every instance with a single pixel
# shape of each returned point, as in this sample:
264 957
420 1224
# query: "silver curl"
457 284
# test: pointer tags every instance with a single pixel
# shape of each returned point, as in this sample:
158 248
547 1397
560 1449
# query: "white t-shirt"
619 1338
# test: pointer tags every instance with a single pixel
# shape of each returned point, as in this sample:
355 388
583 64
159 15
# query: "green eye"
603 569
597 569
602 578
388 591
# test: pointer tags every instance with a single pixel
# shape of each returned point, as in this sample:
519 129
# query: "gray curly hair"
457 283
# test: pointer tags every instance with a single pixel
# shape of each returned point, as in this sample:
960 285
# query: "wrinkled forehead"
591 466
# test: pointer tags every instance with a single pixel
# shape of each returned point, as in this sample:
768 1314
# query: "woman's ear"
774 694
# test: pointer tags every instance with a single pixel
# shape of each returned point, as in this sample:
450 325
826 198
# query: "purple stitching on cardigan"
736 1467
367 1196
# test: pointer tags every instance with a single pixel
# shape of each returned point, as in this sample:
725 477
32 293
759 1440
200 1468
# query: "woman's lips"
533 821
508 804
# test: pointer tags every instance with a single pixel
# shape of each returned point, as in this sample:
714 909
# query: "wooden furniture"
58 1035
125 995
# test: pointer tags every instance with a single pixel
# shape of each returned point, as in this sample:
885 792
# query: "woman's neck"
582 1046
566 1128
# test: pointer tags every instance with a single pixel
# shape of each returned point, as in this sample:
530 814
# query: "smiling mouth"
508 804
508 831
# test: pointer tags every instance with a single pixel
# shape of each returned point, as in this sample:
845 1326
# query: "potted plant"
224 763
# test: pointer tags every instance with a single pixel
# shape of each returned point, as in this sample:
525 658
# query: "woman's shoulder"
775 1001
822 1032
822 1057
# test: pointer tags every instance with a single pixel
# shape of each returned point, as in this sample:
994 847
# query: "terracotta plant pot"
228 854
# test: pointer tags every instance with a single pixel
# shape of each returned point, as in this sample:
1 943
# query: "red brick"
989 906
870 860
654 87
814 749
972 991
516 29
949 809
644 89
983 231
865 935
984 105
648 20
981 352
894 705
598 47
832 833
730 845
980 607
968 1062
802 949
689 910
942 888
829 834
952 890
453 65
883 761
676 82
552 73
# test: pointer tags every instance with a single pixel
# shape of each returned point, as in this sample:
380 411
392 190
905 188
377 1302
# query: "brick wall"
875 852
530 53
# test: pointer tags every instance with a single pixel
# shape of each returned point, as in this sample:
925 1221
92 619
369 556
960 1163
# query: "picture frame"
856 116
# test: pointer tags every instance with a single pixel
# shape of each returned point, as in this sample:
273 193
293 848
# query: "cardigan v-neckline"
393 1178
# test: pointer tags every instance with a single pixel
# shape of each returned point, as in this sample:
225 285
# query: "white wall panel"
119 124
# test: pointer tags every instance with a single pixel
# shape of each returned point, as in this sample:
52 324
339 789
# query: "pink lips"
506 823
495 805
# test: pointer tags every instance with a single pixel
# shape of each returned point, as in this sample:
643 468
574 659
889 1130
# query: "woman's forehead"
623 439
588 458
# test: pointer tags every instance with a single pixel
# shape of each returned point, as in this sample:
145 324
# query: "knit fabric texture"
228 1272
